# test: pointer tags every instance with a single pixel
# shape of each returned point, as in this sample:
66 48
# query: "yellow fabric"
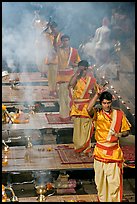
52 76
53 59
77 94
53 40
81 133
63 57
3 107
108 181
63 88
64 100
3 113
102 126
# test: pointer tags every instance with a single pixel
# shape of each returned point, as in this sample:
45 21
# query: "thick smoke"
77 19
19 37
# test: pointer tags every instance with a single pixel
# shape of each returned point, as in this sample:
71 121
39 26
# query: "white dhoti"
64 100
52 77
109 181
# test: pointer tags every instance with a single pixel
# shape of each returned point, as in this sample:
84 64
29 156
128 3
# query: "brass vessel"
41 190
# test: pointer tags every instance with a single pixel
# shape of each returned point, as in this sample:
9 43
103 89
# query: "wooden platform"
75 198
26 94
40 159
36 121
25 77
64 198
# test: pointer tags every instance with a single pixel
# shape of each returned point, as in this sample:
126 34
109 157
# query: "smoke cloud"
77 19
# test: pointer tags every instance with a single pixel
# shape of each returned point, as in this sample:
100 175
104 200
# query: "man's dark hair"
83 63
105 95
53 24
65 36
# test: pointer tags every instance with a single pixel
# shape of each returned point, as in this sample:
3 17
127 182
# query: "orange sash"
115 125
85 96
73 56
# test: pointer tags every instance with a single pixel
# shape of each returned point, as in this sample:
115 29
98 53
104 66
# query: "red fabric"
109 149
119 120
56 119
129 152
121 181
91 85
113 138
66 72
73 55
87 95
117 125
69 156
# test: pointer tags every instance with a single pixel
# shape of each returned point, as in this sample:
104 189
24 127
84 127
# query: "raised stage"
28 94
54 157
25 78
38 121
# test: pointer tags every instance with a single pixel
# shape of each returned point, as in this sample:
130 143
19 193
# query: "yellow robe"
82 122
63 63
52 65
108 163
102 126
64 58
77 96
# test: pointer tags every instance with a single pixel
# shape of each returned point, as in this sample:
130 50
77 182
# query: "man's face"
83 70
106 105
65 42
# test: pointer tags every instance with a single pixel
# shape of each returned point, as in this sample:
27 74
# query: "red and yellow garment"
80 96
107 148
66 58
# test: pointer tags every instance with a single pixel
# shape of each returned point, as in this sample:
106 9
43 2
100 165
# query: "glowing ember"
5 161
5 149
